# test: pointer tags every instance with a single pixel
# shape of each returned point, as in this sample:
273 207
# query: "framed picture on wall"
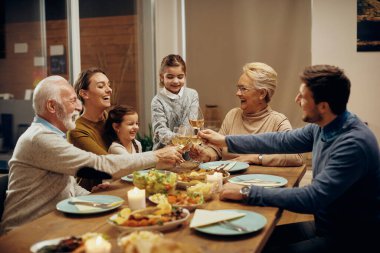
368 25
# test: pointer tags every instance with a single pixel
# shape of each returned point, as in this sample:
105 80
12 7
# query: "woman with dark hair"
121 127
93 88
174 101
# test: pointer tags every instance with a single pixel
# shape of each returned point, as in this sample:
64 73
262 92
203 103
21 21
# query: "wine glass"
196 120
180 138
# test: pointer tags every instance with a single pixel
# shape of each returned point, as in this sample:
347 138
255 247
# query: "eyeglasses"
242 89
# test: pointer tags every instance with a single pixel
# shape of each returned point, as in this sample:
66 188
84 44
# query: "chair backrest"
3 189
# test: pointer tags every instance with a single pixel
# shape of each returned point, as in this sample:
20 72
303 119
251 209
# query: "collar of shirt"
48 125
172 95
330 131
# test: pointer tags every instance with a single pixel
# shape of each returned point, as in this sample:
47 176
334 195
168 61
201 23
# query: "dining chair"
3 189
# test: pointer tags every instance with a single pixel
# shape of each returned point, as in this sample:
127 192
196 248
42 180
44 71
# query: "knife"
95 204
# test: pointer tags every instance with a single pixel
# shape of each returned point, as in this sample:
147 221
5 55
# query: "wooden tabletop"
57 224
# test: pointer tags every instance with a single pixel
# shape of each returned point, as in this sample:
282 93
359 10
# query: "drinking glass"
181 137
196 120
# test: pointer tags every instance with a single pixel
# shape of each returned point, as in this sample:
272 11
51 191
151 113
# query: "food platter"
181 199
39 245
164 227
190 178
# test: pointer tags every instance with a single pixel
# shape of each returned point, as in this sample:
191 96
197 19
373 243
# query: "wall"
108 42
334 42
169 27
223 35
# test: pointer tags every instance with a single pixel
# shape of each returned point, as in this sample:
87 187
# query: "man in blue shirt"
344 195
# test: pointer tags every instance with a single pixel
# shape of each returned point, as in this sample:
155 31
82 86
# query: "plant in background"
146 140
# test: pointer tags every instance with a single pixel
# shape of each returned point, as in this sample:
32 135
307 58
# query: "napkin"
206 217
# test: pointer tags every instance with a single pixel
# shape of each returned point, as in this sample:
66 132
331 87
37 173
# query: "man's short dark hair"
328 84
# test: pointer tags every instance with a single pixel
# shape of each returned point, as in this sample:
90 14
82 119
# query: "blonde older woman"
255 89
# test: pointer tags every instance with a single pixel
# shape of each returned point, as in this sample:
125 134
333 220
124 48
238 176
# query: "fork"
221 166
233 226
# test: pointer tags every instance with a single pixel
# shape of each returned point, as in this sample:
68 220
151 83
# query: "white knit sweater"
42 169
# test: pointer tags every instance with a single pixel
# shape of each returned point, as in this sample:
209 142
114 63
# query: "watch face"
245 191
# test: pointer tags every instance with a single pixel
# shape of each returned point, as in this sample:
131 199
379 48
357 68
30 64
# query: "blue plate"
238 166
259 180
252 221
66 207
129 178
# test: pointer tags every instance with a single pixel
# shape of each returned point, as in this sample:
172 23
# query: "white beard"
67 120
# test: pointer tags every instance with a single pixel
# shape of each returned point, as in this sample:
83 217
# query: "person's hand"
202 154
101 187
230 192
211 137
168 157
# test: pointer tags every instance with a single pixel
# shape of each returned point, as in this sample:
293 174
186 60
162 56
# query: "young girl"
173 103
122 126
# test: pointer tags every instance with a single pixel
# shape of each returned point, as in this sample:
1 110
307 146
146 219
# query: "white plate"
252 221
188 207
39 245
66 207
166 226
237 167
262 180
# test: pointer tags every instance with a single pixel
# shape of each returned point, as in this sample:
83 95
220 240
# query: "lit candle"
216 179
136 199
97 245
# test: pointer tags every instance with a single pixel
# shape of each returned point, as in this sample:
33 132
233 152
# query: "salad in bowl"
155 181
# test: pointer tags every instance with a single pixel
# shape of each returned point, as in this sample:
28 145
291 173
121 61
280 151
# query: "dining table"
57 224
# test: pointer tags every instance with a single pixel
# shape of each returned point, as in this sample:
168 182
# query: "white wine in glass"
180 138
196 119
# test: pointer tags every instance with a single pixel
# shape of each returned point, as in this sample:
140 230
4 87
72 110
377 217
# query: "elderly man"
44 163
344 195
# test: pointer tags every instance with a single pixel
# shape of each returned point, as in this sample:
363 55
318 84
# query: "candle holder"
97 244
136 199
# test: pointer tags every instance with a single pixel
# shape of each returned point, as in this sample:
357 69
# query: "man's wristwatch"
244 191
261 159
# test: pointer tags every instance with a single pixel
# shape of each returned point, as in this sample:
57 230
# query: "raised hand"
203 153
211 137
168 157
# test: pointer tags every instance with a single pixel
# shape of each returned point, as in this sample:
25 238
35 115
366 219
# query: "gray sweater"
344 195
42 169
168 113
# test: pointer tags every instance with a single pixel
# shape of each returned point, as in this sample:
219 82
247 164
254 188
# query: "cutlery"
229 166
260 181
218 167
94 204
233 226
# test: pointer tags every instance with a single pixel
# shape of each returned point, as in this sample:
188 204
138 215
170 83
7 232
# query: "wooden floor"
290 217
